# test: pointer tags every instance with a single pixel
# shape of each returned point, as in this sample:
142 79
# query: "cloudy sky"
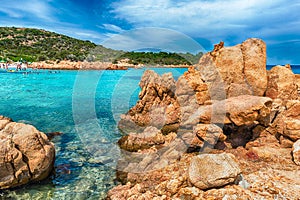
207 22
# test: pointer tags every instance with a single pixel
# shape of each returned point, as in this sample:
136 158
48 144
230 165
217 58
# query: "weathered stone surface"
240 67
287 120
26 155
255 59
209 132
140 141
213 170
296 152
157 106
297 78
241 110
225 89
282 83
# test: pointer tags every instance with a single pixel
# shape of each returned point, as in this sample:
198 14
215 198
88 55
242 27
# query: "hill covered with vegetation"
39 45
162 58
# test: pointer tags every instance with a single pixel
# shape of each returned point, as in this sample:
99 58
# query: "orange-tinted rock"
213 170
157 106
282 84
242 68
296 152
26 155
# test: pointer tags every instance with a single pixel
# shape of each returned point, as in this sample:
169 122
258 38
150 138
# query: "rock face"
241 110
296 152
242 68
282 83
213 170
224 130
157 106
26 155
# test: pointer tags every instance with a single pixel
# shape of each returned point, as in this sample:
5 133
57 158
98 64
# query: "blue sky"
277 22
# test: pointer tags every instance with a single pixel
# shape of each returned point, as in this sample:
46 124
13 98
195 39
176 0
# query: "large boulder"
241 110
287 121
282 83
296 152
242 68
26 154
213 170
151 136
157 106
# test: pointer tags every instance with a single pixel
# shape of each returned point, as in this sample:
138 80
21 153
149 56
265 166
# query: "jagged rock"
224 90
157 106
209 132
26 155
296 152
282 84
241 110
287 121
242 68
297 78
146 161
203 134
140 141
213 170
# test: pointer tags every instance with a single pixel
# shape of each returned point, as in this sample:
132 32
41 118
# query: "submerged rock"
213 170
26 154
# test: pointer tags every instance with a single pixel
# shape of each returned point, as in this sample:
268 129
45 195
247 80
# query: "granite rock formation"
226 128
26 154
213 170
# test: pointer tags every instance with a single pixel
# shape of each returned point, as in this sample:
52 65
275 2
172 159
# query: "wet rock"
213 170
296 152
26 155
53 134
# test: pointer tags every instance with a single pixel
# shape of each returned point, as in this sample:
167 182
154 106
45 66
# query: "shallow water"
85 106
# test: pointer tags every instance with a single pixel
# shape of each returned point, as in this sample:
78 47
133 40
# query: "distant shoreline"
68 65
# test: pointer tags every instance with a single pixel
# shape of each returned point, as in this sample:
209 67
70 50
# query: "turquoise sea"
85 106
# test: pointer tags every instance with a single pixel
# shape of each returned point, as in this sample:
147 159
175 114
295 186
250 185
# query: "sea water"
85 107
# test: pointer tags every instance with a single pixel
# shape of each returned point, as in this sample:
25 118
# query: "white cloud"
153 38
210 19
27 8
112 28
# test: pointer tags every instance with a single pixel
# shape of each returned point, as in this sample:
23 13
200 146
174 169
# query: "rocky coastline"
69 65
227 128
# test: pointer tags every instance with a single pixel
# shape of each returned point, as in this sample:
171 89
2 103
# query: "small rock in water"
53 134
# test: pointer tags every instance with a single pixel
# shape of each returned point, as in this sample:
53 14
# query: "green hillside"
162 58
39 45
